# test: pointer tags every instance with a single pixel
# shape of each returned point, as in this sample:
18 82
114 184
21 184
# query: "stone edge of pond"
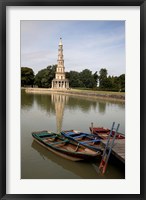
70 92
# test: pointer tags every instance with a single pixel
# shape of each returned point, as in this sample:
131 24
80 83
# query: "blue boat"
89 140
64 147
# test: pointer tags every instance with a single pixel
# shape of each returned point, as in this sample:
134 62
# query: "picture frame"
3 99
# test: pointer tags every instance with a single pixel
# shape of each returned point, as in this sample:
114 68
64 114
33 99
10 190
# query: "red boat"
103 133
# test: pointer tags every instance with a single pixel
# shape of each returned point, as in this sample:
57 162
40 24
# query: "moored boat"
103 133
64 147
89 140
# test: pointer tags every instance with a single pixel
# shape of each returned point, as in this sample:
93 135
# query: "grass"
98 92
84 92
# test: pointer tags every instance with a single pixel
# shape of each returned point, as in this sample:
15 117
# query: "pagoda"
60 82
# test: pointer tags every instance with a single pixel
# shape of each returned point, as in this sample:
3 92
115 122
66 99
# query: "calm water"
57 112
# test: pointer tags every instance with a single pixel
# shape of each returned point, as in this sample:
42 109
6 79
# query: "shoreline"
93 94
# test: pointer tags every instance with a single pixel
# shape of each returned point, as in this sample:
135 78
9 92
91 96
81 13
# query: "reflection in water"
81 103
27 100
102 107
59 101
79 168
55 104
56 112
44 103
47 101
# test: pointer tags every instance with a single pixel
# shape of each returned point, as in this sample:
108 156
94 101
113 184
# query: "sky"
87 44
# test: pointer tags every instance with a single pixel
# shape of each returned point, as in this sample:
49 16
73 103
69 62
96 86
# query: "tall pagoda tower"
60 82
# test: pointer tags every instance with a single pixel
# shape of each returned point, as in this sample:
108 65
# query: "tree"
87 78
113 83
103 78
83 79
96 77
27 76
45 76
122 82
74 79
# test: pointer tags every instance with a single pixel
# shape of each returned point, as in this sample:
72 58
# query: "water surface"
56 112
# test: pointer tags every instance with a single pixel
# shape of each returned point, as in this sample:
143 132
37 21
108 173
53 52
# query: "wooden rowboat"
64 147
103 133
89 140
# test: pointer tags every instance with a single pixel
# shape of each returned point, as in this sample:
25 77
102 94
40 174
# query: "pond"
56 112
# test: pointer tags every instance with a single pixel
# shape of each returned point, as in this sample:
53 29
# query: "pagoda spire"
60 42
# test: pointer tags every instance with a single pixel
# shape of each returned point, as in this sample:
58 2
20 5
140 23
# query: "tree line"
84 79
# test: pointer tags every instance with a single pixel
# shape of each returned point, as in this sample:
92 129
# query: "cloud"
92 44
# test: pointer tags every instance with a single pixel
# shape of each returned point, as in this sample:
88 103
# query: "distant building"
60 82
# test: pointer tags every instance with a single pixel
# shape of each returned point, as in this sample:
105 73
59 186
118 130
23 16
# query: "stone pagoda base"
60 84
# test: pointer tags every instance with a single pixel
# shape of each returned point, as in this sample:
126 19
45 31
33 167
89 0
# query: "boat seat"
64 141
70 133
52 136
90 141
79 136
44 134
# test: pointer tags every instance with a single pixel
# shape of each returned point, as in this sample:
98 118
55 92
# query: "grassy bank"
100 94
88 93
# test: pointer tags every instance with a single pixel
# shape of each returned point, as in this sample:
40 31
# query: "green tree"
114 83
74 79
45 76
122 82
108 85
88 78
27 76
103 78
96 77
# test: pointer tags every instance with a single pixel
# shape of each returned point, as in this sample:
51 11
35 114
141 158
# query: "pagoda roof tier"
60 79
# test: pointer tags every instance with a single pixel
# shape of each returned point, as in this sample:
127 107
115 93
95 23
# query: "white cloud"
84 45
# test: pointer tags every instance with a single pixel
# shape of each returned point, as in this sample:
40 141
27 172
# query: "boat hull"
103 133
63 148
88 140
58 153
